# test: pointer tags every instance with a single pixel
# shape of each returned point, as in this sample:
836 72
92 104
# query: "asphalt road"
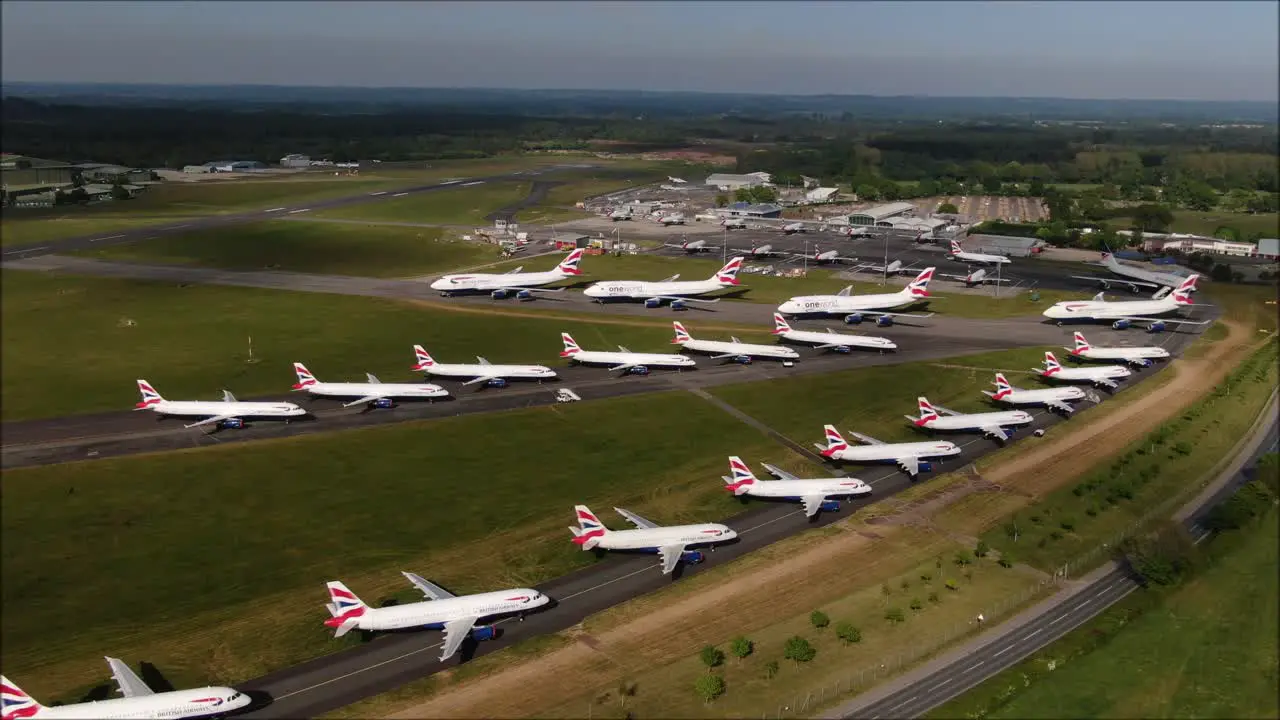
389 661
1047 622
190 224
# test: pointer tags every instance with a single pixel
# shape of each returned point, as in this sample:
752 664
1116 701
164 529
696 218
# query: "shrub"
819 619
1006 559
770 669
905 584
848 634
1056 535
1035 519
741 647
1091 511
962 558
916 604
1182 448
1067 524
884 590
926 577
894 615
709 687
951 585
982 549
799 650
712 656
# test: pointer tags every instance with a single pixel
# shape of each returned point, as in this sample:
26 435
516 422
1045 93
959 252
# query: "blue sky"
1143 50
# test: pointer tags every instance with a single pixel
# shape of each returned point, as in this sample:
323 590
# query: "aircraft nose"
592 291
787 307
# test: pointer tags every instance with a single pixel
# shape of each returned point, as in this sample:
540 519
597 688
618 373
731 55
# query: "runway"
192 224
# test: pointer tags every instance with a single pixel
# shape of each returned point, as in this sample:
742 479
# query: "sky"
1139 50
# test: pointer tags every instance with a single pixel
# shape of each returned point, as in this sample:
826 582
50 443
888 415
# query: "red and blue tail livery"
305 378
16 704
149 395
742 477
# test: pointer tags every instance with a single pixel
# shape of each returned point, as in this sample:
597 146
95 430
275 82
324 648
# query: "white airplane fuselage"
796 489
433 614
470 370
977 421
496 281
201 702
719 347
1087 374
1107 310
891 452
639 289
598 357
838 339
832 304
1126 354
1040 396
980 258
382 390
650 539
211 408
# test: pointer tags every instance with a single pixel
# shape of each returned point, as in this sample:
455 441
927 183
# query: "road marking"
19 252
294 212
274 209
401 194
1037 632
1060 617
1007 649
380 192
477 182
978 665
178 227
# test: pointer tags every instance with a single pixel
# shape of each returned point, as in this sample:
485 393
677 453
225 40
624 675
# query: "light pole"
885 269
724 248
806 257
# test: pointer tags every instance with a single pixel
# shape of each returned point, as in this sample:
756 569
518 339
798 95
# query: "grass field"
455 205
23 231
316 247
1206 223
69 346
1208 649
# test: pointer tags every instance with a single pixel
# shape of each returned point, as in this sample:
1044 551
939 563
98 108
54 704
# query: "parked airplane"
892 268
740 352
621 214
1103 375
693 246
230 413
855 232
1132 277
672 219
977 277
671 543
760 251
139 701
671 290
992 424
911 457
501 285
624 359
676 180
443 610
375 393
482 371
822 258
829 340
1138 356
957 253
796 227
732 223
1123 313
1052 398
815 495
878 305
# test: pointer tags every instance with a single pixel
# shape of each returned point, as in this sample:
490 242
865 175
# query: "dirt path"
768 590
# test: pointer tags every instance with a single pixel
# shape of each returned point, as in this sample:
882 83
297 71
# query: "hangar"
880 215
742 209
727 181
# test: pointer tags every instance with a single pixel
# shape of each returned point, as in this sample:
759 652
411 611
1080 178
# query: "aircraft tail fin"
1051 364
149 395
1003 388
570 347
780 324
345 608
569 266
589 530
682 335
835 441
1082 345
728 275
16 704
1182 295
955 247
742 478
305 378
919 288
927 411
424 358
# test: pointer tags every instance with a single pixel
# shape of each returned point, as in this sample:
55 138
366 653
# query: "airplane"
442 610
855 232
1102 376
760 251
676 180
740 352
822 258
1137 356
482 371
992 424
620 214
959 254
501 285
731 223
624 359
815 495
1133 277
693 246
230 413
1052 398
671 543
797 227
878 305
828 339
1126 312
375 393
892 268
139 701
673 219
977 277
672 289
911 457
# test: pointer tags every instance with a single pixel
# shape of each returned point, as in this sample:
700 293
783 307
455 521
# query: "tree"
1221 272
742 195
848 633
712 657
741 647
867 193
1011 528
947 208
916 604
799 650
991 184
626 689
1163 556
927 187
770 669
1152 218
722 200
1037 188
982 549
819 619
709 687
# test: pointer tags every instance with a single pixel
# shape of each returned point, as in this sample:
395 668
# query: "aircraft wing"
945 411
428 588
910 465
636 519
670 555
779 472
509 288
684 299
513 272
131 686
812 504
865 438
673 278
365 399
624 366
455 633
995 432
892 314
1060 405
1108 282
1163 320
207 421
1106 383
480 378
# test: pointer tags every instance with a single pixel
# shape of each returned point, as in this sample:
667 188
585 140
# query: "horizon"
1041 50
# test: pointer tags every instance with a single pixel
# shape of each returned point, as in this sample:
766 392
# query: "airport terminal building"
882 215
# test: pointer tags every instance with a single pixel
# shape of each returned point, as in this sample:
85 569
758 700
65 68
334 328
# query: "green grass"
226 549
1166 464
69 347
315 247
29 231
1207 649
456 205
1206 223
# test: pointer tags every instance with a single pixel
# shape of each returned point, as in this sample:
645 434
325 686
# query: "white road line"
19 252
400 194
294 212
477 182
274 209
979 664
1033 634
1007 649
178 227
380 192
1060 617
